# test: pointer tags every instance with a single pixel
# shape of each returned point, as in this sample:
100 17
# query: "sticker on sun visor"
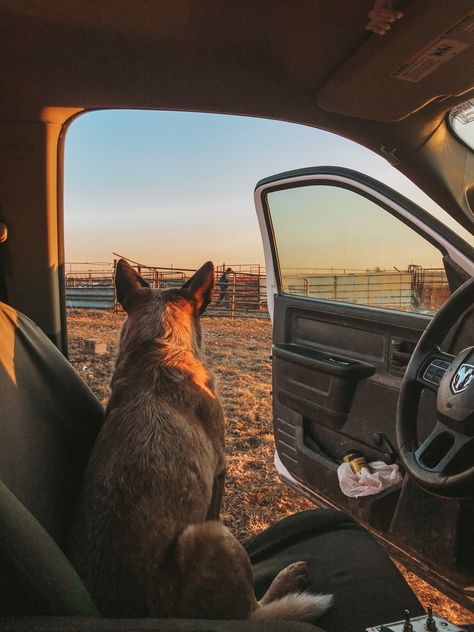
464 112
453 42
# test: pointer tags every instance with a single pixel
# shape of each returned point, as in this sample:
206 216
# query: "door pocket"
319 473
317 384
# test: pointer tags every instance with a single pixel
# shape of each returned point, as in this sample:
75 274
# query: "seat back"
49 420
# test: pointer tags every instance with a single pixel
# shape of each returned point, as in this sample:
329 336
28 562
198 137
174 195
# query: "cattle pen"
417 289
91 286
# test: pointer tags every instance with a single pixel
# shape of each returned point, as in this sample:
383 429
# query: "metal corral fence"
90 289
244 295
414 289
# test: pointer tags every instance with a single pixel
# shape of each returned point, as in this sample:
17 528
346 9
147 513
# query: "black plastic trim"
62 344
416 321
324 362
453 133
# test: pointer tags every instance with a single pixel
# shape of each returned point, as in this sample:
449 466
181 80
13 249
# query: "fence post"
233 298
115 290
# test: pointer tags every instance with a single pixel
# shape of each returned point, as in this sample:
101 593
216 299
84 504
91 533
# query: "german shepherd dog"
146 538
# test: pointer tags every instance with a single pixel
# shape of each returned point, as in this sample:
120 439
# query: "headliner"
308 62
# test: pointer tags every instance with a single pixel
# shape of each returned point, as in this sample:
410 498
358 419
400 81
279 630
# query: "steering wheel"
444 462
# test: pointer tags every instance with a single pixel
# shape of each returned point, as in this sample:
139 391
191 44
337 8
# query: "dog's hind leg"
217 493
286 600
216 574
217 581
293 578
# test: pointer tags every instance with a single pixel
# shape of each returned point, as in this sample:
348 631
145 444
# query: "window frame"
410 214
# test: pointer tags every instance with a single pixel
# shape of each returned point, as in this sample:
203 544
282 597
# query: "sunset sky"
176 188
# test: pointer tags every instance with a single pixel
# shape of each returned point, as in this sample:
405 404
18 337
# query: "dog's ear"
127 281
201 285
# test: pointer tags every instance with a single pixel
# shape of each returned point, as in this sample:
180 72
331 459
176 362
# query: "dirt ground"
238 350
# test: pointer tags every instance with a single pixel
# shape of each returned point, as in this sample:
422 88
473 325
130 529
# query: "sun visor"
424 56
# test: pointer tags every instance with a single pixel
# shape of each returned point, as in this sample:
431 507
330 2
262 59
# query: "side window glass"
337 245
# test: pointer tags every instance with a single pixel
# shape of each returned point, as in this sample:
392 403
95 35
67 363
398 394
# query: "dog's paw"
293 578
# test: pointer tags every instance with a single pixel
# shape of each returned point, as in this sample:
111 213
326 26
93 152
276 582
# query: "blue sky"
176 188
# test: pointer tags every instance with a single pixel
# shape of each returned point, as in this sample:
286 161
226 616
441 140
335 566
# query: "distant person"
223 284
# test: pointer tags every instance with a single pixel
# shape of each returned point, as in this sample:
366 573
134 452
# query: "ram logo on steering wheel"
462 378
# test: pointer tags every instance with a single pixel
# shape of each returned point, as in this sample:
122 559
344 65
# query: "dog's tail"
294 607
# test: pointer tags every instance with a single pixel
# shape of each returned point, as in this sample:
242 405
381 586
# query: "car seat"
49 420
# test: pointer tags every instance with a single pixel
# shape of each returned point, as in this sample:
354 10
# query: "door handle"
400 353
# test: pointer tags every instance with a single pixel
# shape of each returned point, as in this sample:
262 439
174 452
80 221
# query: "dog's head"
164 313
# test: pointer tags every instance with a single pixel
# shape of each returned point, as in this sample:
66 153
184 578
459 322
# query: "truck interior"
315 63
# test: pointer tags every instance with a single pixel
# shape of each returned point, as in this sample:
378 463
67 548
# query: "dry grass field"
238 350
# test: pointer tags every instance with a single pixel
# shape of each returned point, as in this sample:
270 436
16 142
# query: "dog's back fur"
145 540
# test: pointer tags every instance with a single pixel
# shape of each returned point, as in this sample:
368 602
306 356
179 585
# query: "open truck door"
355 275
